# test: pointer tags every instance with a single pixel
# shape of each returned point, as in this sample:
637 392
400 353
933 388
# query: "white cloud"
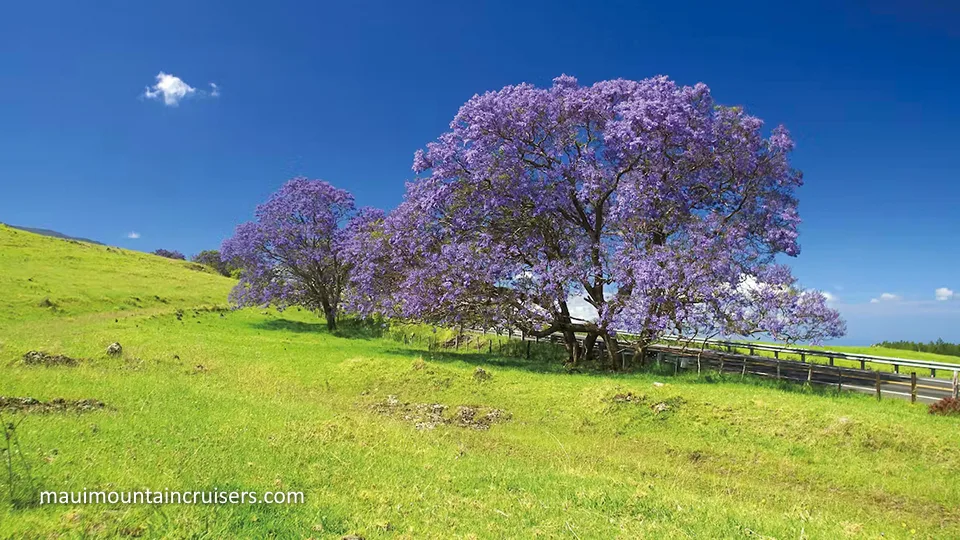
885 297
580 309
944 293
830 297
133 235
173 89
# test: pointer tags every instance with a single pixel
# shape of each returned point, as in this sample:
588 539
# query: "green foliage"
260 400
211 258
937 347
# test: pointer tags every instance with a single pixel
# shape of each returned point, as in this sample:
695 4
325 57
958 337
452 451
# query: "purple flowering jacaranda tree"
661 209
292 253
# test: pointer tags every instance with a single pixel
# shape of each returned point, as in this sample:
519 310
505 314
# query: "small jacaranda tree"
292 253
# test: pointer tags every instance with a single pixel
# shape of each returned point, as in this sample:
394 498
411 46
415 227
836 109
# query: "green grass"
279 403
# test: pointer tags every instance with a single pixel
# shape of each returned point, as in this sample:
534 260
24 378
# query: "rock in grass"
481 375
114 349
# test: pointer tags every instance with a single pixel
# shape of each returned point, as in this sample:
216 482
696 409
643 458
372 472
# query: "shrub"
211 258
170 254
946 407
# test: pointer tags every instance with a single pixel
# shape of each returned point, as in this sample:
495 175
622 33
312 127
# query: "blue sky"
347 92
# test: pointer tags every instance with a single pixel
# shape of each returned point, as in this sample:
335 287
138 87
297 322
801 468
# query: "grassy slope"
281 404
82 278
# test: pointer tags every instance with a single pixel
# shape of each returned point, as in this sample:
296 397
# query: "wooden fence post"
878 386
778 369
956 384
810 372
863 364
839 379
803 357
528 350
913 387
743 370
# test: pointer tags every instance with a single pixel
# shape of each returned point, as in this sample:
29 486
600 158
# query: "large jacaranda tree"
292 254
661 209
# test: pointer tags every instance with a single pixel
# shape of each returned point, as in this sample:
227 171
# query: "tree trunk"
588 343
573 347
616 360
330 313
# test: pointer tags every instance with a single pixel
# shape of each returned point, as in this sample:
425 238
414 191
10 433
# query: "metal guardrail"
862 358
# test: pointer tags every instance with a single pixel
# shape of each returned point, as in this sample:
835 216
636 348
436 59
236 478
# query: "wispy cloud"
830 297
944 294
885 297
172 89
133 235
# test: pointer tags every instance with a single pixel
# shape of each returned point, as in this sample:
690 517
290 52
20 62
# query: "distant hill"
55 234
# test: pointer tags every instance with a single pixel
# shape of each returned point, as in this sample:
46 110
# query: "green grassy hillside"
43 277
255 400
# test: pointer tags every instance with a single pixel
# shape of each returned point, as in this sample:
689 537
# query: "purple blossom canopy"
661 209
291 254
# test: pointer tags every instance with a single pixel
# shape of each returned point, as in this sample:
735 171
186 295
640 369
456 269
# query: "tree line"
622 206
207 257
938 347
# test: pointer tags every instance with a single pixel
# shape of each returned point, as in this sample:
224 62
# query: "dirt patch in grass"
58 405
40 358
430 415
629 397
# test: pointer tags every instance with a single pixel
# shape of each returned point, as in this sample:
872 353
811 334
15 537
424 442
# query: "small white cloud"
173 89
830 297
944 293
885 297
133 235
